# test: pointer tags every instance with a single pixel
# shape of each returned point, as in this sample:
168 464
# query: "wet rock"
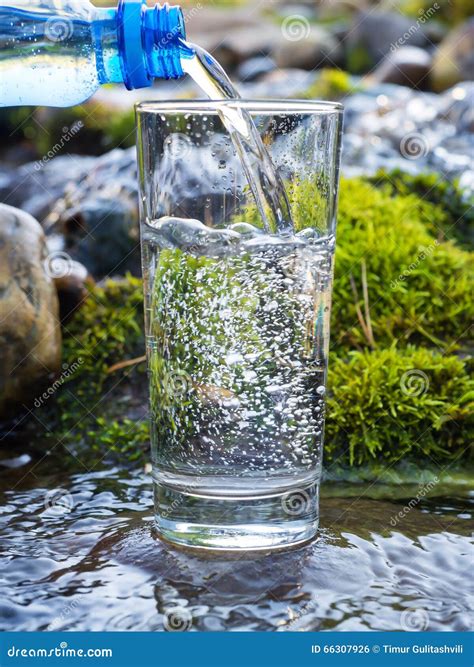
454 60
102 233
30 335
72 288
308 48
35 187
435 31
407 66
394 127
211 24
242 44
374 34
453 156
92 202
457 106
254 68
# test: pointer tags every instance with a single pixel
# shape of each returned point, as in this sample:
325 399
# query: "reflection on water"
85 558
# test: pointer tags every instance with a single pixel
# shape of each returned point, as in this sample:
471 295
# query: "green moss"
117 125
392 404
456 218
331 84
418 286
201 308
126 437
308 207
92 408
185 288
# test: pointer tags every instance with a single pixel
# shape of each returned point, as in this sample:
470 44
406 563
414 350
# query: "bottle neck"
135 44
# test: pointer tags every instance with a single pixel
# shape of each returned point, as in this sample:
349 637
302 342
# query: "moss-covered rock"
397 280
396 404
457 219
100 404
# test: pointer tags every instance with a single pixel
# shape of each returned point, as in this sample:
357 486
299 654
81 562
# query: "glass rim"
266 105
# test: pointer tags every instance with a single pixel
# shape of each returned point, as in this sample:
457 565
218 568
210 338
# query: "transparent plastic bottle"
58 53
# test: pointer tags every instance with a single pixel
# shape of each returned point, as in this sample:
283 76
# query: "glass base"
235 523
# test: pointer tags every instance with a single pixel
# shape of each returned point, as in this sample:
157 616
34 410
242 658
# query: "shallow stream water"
86 558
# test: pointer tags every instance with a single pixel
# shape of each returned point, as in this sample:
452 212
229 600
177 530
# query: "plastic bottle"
58 53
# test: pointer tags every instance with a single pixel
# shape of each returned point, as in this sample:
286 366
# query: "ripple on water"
94 564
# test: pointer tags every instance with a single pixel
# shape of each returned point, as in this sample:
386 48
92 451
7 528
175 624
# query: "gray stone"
374 34
35 187
307 47
102 234
72 287
30 334
435 31
254 68
407 66
92 202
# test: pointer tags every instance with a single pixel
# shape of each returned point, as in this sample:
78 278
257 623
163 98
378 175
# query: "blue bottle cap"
149 36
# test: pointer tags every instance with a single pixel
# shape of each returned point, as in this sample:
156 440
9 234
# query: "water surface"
88 560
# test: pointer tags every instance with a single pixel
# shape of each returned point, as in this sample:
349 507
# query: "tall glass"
237 320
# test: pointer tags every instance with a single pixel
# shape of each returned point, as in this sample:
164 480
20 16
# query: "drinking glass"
237 320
